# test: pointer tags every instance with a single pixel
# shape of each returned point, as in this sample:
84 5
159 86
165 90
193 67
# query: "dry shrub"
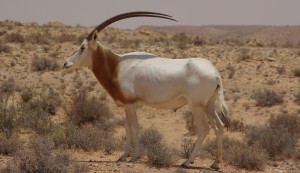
236 126
158 153
267 98
43 64
5 48
297 98
187 147
296 72
15 38
150 136
67 38
8 86
190 126
7 116
288 121
238 153
84 109
91 137
244 55
182 40
37 38
9 145
277 142
231 70
39 157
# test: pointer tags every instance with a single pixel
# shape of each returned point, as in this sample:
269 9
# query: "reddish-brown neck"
105 68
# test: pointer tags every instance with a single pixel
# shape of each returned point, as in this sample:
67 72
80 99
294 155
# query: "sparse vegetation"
187 147
83 109
5 48
296 72
190 126
14 38
297 98
43 64
239 154
158 153
39 157
267 98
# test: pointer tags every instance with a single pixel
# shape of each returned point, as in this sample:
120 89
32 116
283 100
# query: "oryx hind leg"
202 127
217 125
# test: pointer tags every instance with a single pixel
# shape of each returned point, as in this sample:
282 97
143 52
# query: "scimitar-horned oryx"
140 77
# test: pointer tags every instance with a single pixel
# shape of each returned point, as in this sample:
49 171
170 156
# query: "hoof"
134 159
184 166
121 159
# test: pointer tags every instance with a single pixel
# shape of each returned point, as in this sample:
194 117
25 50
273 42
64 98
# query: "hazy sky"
188 12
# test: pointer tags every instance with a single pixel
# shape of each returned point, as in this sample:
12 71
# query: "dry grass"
9 145
187 146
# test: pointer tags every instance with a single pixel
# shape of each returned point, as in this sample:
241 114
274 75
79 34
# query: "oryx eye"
81 48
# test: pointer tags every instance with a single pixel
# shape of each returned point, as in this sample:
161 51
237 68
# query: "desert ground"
261 78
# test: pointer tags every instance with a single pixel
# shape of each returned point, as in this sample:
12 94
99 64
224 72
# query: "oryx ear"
95 35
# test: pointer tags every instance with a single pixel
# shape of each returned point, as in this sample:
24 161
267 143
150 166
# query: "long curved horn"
128 15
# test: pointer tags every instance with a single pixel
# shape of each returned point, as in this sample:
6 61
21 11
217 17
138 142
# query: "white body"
167 83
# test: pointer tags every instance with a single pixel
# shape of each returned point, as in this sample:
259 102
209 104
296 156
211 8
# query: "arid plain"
260 67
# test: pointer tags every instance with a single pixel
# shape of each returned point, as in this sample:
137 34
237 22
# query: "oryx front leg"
132 134
201 124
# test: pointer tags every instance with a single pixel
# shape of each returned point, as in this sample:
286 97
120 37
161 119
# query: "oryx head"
82 56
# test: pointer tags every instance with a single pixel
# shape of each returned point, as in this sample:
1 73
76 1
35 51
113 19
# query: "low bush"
267 98
296 72
67 38
190 126
297 98
158 153
91 137
43 64
5 48
187 146
276 142
9 145
84 109
14 37
8 86
239 154
40 157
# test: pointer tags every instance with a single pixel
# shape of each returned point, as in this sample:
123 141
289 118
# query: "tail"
223 107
